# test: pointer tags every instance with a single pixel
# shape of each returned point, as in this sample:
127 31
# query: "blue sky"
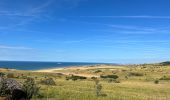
117 31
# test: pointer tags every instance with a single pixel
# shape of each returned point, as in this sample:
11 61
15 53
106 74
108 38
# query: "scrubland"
134 82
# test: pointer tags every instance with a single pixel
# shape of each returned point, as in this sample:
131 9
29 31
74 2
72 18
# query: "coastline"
78 68
73 70
84 70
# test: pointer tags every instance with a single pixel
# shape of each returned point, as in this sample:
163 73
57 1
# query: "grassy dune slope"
135 82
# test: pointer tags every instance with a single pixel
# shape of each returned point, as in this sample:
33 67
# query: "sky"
114 31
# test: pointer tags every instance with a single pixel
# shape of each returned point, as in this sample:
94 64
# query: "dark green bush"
2 74
74 78
97 71
113 80
165 63
109 76
103 94
164 78
135 74
156 81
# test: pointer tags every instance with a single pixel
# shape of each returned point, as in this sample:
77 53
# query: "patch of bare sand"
80 68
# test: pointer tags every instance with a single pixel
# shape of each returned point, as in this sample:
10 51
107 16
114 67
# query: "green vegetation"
132 82
30 88
164 78
109 76
135 74
97 71
2 74
98 89
74 78
48 81
10 75
165 63
156 81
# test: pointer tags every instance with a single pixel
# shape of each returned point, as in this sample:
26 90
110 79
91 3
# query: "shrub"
109 76
165 63
111 80
103 95
164 78
117 81
24 77
30 88
135 74
48 81
126 77
74 78
2 74
156 81
93 78
10 75
97 71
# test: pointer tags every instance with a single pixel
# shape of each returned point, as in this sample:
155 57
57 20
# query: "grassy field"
135 82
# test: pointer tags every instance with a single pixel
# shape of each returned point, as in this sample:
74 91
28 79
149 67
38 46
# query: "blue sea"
32 65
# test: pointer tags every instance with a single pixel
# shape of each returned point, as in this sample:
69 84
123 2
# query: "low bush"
165 63
126 77
97 71
23 77
113 80
103 94
30 88
117 81
135 74
109 76
48 81
74 78
164 78
10 75
156 81
2 74
93 78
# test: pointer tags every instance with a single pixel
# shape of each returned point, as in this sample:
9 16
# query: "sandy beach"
74 70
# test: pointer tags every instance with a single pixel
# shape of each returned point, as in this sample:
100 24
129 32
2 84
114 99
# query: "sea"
35 65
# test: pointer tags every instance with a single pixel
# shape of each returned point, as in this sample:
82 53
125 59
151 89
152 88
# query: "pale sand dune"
78 68
74 68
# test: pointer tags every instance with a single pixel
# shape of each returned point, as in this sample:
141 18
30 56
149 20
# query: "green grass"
130 88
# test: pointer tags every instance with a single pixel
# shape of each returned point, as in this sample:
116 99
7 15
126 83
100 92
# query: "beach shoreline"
73 70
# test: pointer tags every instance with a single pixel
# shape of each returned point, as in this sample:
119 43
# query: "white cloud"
141 16
14 47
